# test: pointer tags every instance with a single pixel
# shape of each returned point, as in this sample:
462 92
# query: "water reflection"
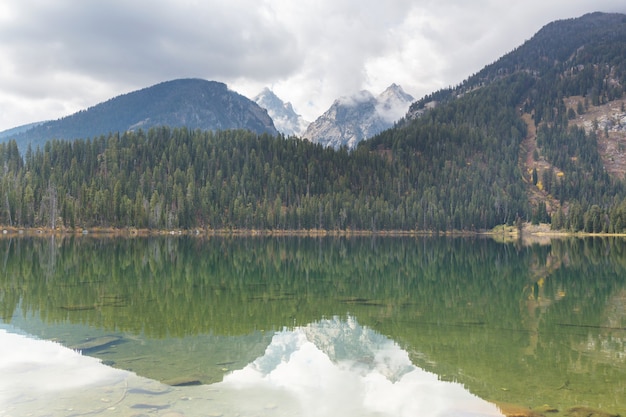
336 367
329 368
526 325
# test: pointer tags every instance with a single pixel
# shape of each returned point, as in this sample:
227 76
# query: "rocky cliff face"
352 119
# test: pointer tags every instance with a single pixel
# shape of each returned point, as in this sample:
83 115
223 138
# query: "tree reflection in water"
530 325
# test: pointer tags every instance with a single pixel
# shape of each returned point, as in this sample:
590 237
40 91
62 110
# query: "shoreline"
505 234
8 231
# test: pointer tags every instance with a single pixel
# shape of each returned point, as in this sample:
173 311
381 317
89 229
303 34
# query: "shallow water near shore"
280 326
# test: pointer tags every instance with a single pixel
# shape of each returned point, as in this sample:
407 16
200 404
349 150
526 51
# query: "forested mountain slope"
582 58
506 146
191 103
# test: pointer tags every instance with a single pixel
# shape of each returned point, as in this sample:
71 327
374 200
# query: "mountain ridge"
555 42
188 102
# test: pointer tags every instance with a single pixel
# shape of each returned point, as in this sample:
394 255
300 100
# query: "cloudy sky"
61 56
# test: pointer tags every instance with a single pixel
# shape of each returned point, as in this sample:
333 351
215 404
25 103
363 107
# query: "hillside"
608 121
562 161
534 136
192 103
557 48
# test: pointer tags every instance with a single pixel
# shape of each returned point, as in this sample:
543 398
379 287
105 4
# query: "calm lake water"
188 326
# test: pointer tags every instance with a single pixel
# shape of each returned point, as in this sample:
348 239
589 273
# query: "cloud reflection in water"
337 367
332 367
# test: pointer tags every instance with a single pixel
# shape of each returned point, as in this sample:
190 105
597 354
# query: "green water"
532 326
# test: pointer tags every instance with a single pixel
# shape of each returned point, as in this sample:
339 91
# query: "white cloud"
62 56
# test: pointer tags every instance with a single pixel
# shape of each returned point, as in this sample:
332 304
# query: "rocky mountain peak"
285 118
354 118
393 103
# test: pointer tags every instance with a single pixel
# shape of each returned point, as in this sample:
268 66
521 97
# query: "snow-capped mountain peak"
286 120
352 119
393 103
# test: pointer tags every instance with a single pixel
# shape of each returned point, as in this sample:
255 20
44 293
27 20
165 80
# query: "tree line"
179 178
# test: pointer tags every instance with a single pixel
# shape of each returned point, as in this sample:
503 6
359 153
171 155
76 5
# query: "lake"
191 326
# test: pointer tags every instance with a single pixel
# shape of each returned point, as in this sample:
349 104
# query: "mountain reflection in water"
329 368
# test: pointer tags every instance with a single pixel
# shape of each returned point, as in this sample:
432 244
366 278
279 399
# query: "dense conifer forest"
186 179
457 166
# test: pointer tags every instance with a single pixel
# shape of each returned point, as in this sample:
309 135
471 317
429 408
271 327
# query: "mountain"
352 119
286 120
393 103
192 103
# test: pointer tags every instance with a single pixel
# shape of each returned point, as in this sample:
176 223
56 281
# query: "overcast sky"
61 56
